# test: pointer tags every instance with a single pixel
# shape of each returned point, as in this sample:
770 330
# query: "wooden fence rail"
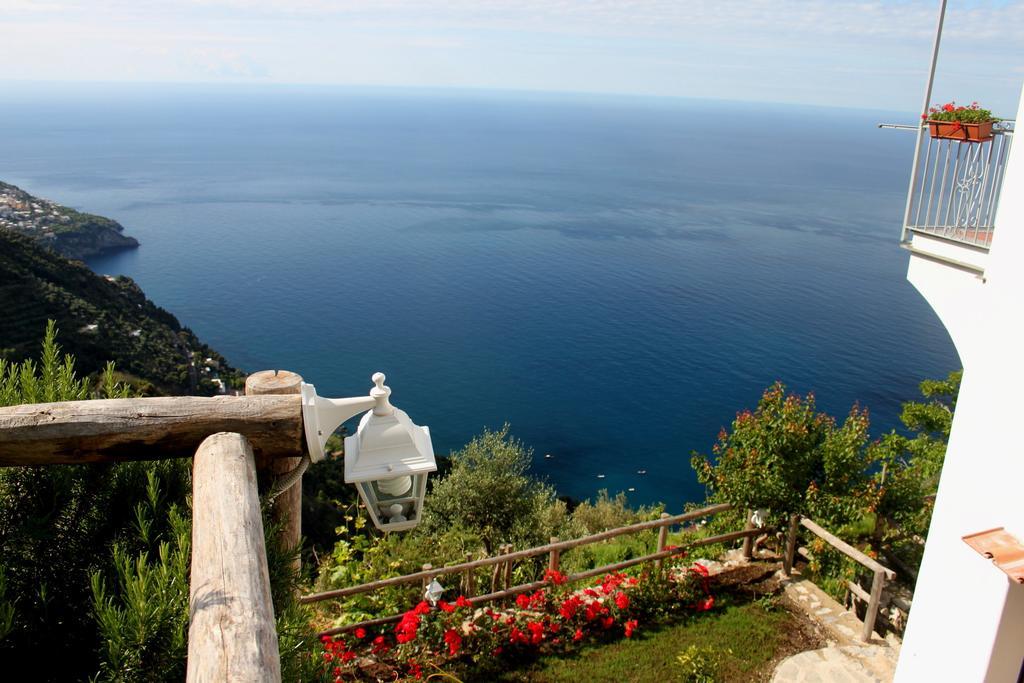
75 432
504 562
881 573
508 557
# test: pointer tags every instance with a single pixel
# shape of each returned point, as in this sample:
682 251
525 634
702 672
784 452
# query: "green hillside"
71 233
99 319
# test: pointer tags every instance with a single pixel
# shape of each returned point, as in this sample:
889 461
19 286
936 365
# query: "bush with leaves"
490 492
786 457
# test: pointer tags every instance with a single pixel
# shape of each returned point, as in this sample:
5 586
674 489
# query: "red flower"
407 627
360 633
380 645
621 600
607 622
453 640
556 577
516 636
522 601
630 627
422 608
463 602
569 607
325 639
578 635
699 569
445 607
536 632
415 670
706 604
948 107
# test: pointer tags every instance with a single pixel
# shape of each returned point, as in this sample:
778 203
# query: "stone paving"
847 659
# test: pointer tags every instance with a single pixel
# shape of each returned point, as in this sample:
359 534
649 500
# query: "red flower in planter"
415 670
463 602
380 645
517 636
360 633
453 640
422 608
522 601
607 623
348 656
445 607
630 628
578 635
325 639
621 600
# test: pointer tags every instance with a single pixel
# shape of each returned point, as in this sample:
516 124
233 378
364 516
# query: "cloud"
817 51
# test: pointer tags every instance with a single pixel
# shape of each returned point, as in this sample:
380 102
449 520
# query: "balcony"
953 196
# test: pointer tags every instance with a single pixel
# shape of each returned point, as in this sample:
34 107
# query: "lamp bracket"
321 416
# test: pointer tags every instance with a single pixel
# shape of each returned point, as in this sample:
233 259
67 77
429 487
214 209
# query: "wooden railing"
881 573
502 564
232 634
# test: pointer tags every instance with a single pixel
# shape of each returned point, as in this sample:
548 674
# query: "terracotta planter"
955 130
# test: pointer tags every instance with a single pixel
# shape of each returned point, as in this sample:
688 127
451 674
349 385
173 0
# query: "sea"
615 277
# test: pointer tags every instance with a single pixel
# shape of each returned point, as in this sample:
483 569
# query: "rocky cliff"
69 232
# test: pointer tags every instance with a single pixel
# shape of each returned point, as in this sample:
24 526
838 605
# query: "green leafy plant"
787 457
700 664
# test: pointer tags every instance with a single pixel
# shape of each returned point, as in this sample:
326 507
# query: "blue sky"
829 52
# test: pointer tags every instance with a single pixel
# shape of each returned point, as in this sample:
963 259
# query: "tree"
786 457
912 464
489 492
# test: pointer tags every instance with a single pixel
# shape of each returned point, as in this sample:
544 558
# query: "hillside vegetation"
100 319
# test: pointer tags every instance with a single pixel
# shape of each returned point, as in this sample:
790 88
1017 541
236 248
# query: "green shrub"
490 493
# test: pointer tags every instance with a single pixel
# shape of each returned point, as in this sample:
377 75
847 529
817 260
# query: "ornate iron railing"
955 187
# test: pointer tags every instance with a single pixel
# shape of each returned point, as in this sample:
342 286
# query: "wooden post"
496 571
508 568
662 541
748 542
787 560
877 585
467 577
231 635
287 507
554 557
426 581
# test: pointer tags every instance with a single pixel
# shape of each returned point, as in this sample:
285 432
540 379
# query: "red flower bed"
547 620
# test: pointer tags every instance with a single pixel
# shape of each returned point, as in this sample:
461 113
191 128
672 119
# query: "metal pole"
921 126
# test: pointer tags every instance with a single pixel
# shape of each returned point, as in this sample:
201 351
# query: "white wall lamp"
388 458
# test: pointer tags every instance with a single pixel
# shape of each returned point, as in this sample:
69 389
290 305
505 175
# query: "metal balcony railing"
956 186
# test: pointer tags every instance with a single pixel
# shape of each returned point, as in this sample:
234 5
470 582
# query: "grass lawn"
748 637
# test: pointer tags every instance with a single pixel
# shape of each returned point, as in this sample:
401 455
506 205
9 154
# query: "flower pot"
956 130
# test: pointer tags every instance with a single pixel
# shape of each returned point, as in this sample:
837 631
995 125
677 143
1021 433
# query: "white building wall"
967 620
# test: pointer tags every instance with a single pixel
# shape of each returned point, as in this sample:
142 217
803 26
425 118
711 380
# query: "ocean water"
615 277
